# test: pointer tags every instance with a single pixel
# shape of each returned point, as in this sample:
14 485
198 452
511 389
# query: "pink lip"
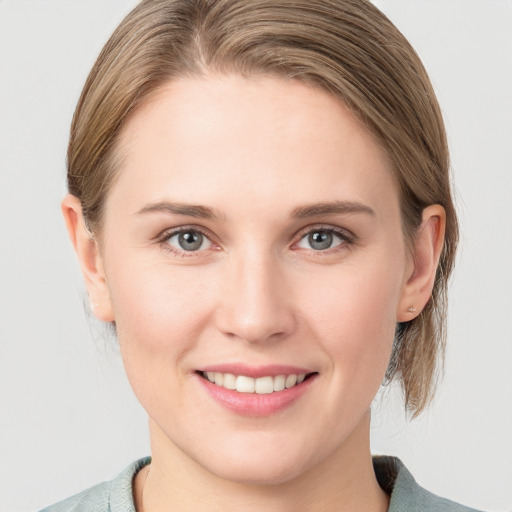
253 404
255 371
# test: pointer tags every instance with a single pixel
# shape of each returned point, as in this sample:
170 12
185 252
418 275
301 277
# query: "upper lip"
255 371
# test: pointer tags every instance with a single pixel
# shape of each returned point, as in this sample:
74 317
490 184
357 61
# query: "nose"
255 302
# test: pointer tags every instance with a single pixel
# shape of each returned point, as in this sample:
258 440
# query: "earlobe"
428 245
89 258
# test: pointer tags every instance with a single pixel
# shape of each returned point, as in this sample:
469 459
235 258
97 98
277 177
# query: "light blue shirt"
392 475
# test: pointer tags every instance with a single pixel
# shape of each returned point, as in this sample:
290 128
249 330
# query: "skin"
255 151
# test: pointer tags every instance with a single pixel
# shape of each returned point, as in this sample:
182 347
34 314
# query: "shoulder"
94 499
406 494
113 496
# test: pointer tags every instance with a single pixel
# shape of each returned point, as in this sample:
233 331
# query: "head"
345 52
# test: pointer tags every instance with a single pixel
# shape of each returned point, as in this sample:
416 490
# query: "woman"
260 204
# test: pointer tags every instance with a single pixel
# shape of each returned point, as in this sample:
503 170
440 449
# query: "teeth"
244 384
291 380
279 382
260 386
264 385
229 381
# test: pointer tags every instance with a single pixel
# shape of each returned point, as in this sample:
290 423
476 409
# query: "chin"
258 473
265 461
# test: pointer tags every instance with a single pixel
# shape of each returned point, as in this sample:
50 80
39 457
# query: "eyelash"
347 239
167 235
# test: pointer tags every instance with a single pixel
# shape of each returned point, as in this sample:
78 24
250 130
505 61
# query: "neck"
344 482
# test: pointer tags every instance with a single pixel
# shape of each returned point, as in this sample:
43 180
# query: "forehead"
251 138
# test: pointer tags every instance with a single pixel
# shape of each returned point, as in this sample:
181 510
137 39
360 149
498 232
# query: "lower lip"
254 404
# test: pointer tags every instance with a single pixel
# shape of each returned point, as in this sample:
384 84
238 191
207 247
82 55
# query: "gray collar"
392 475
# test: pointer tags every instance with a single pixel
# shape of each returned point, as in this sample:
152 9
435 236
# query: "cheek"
354 316
156 304
159 315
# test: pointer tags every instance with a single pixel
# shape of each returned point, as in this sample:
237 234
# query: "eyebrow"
334 207
301 212
189 210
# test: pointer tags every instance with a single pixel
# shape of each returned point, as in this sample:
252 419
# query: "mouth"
264 385
256 391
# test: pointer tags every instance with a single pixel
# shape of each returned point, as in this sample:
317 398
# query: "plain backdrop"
68 418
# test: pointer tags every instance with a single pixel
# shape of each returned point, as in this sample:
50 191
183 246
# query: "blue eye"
321 240
189 240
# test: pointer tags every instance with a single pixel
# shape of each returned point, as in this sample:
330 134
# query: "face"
253 239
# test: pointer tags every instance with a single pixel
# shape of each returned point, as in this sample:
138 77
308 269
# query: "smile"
261 385
256 391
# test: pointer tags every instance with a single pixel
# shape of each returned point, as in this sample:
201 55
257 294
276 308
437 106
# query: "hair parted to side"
347 47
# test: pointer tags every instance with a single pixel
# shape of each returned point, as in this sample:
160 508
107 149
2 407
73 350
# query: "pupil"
320 240
190 241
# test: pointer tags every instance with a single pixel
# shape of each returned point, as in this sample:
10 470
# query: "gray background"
68 418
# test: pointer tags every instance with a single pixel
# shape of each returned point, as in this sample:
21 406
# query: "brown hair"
347 47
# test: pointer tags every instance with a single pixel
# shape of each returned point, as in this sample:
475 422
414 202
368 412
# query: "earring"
411 309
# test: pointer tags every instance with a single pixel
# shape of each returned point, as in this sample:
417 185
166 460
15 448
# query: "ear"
89 257
420 277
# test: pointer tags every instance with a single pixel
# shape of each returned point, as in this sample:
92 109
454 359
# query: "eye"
322 239
189 240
